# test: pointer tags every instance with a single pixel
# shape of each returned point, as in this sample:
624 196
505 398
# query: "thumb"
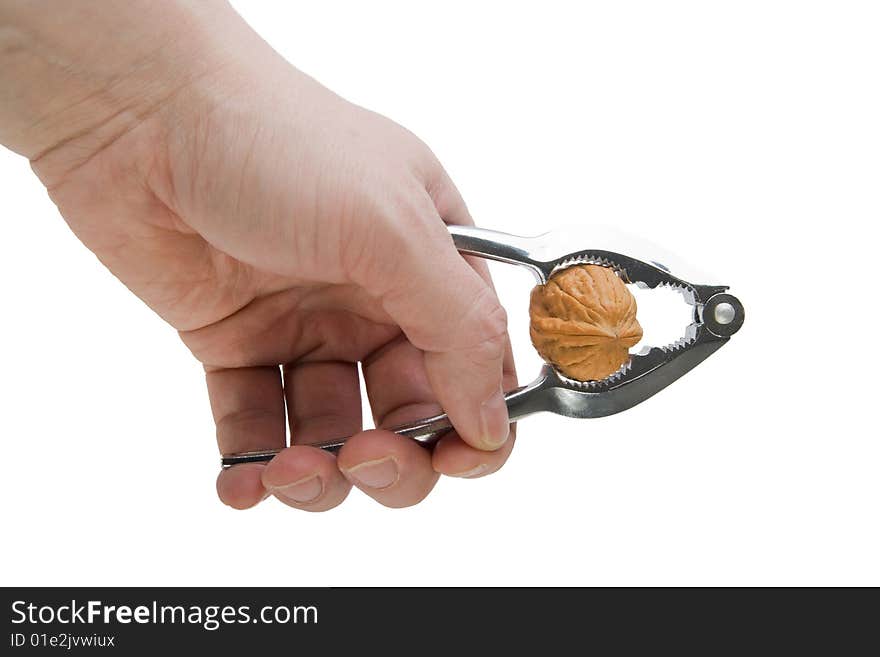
446 310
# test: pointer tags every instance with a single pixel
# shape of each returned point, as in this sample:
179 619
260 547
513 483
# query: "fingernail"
495 424
473 472
378 474
302 491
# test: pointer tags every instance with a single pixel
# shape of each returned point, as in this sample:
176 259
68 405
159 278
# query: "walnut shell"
583 321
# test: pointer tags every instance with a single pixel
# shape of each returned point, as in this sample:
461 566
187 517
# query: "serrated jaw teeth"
587 259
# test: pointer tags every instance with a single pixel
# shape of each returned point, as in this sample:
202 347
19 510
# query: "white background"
743 136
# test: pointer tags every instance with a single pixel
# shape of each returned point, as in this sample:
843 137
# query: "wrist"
80 75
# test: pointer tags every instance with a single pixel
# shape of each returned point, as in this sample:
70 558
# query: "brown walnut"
583 321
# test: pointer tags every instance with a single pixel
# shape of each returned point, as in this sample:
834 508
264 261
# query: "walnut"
583 321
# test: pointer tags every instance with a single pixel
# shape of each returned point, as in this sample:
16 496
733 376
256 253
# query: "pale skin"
285 233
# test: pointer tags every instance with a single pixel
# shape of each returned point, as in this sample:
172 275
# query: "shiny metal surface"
643 376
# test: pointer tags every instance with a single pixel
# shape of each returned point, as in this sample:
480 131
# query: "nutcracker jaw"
717 316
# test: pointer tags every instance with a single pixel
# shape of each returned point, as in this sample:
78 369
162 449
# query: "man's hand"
284 232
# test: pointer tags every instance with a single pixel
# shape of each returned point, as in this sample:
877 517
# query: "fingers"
451 314
452 208
393 470
451 455
323 403
305 478
248 408
455 458
399 392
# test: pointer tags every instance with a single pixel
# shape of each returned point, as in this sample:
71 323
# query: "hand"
286 234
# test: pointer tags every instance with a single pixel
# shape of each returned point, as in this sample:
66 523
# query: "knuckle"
244 423
496 320
491 328
211 346
490 349
447 199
